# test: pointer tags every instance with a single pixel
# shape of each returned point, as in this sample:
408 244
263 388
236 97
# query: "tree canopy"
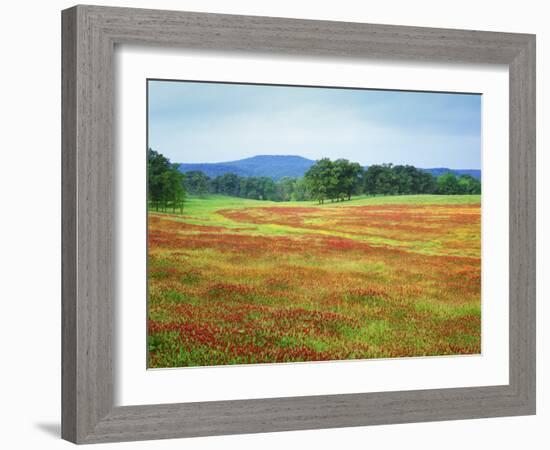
387 179
196 182
336 180
164 183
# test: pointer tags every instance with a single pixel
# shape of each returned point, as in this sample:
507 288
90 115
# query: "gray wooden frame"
89 36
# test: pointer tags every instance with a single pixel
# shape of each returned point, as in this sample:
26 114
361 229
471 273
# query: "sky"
194 122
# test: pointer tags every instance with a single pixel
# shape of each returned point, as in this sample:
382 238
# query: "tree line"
387 179
326 180
258 188
334 181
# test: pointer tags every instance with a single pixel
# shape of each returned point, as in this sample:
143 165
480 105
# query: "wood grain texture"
68 226
89 36
87 207
523 224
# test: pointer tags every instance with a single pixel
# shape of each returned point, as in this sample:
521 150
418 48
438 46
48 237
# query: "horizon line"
314 160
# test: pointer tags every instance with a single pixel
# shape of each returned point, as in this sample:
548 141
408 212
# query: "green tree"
348 177
319 180
173 191
369 178
300 192
406 178
156 165
164 182
426 183
469 185
228 184
267 190
196 182
387 179
285 188
448 184
388 182
249 188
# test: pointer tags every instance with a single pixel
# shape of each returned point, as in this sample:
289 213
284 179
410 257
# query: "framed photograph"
268 222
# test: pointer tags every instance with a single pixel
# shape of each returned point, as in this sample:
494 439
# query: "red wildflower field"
246 281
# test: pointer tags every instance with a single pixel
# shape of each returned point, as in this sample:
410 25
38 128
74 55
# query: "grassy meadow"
238 281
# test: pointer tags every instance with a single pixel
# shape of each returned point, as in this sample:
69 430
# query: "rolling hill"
274 166
279 166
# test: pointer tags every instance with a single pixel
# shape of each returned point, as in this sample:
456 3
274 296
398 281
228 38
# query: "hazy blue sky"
208 122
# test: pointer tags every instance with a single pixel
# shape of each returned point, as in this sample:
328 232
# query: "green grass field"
236 281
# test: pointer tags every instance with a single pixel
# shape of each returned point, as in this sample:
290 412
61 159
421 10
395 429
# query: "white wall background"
30 236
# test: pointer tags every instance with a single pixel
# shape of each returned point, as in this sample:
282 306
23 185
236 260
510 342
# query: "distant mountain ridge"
274 166
279 166
438 171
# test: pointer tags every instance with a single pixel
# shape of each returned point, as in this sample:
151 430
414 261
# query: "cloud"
217 123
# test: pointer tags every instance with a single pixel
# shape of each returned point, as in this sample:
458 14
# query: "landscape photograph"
291 224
